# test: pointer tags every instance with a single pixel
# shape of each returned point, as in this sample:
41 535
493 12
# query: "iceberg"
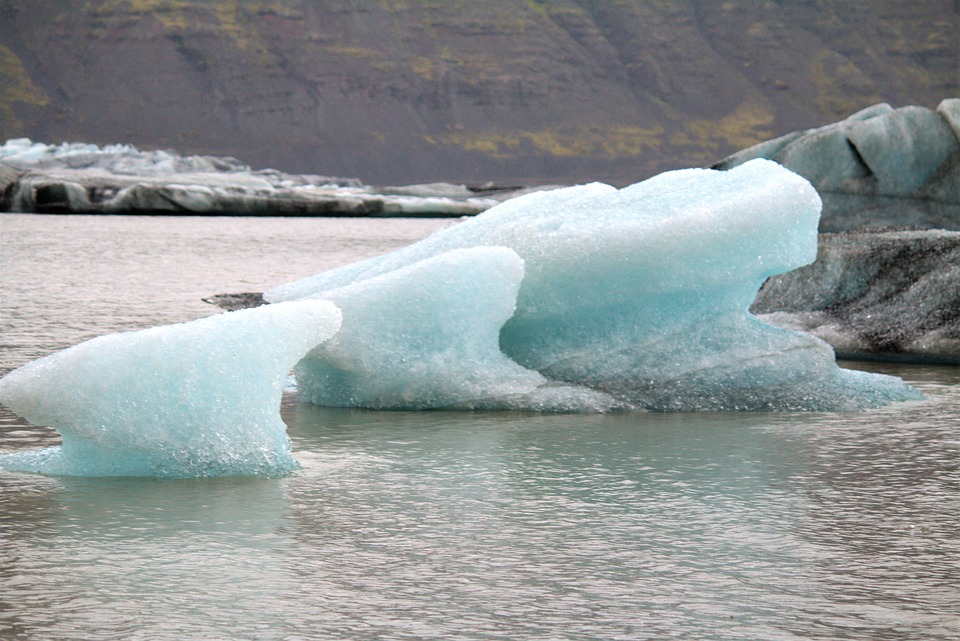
643 293
879 167
586 299
426 336
193 399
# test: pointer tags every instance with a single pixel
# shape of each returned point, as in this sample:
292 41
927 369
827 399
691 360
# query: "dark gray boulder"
233 302
882 294
880 167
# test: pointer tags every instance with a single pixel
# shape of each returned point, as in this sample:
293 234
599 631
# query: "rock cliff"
526 91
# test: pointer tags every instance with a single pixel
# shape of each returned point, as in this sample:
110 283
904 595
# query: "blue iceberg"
427 336
193 399
585 299
642 293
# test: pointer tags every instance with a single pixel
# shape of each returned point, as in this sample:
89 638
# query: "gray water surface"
445 525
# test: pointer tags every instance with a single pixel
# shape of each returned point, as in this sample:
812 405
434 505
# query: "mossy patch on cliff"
606 141
233 19
17 88
838 83
751 122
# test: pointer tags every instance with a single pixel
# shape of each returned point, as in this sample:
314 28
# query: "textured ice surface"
642 293
427 336
582 299
193 399
879 167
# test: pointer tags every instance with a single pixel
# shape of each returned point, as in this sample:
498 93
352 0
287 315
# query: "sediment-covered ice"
194 399
642 293
879 167
877 294
84 178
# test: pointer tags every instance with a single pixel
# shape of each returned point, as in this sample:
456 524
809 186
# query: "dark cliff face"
503 90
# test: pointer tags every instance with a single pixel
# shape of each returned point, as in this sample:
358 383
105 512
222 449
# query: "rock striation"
875 294
879 167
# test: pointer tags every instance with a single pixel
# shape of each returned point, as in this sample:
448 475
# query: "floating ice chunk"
880 167
427 336
581 299
194 399
643 292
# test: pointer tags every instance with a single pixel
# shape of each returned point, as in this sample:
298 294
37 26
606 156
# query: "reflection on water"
137 558
742 526
441 525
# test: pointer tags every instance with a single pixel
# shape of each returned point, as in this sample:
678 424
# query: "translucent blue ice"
427 336
643 293
193 399
588 298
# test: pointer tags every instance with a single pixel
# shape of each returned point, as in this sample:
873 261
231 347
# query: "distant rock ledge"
75 178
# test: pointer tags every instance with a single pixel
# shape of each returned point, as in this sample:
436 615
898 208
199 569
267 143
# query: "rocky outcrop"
880 167
233 302
882 294
401 92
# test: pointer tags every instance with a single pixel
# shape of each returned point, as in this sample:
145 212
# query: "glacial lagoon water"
447 525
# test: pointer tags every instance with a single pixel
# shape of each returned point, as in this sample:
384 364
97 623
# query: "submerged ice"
587 298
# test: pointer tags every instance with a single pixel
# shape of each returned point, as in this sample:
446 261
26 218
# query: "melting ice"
193 399
640 294
587 298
